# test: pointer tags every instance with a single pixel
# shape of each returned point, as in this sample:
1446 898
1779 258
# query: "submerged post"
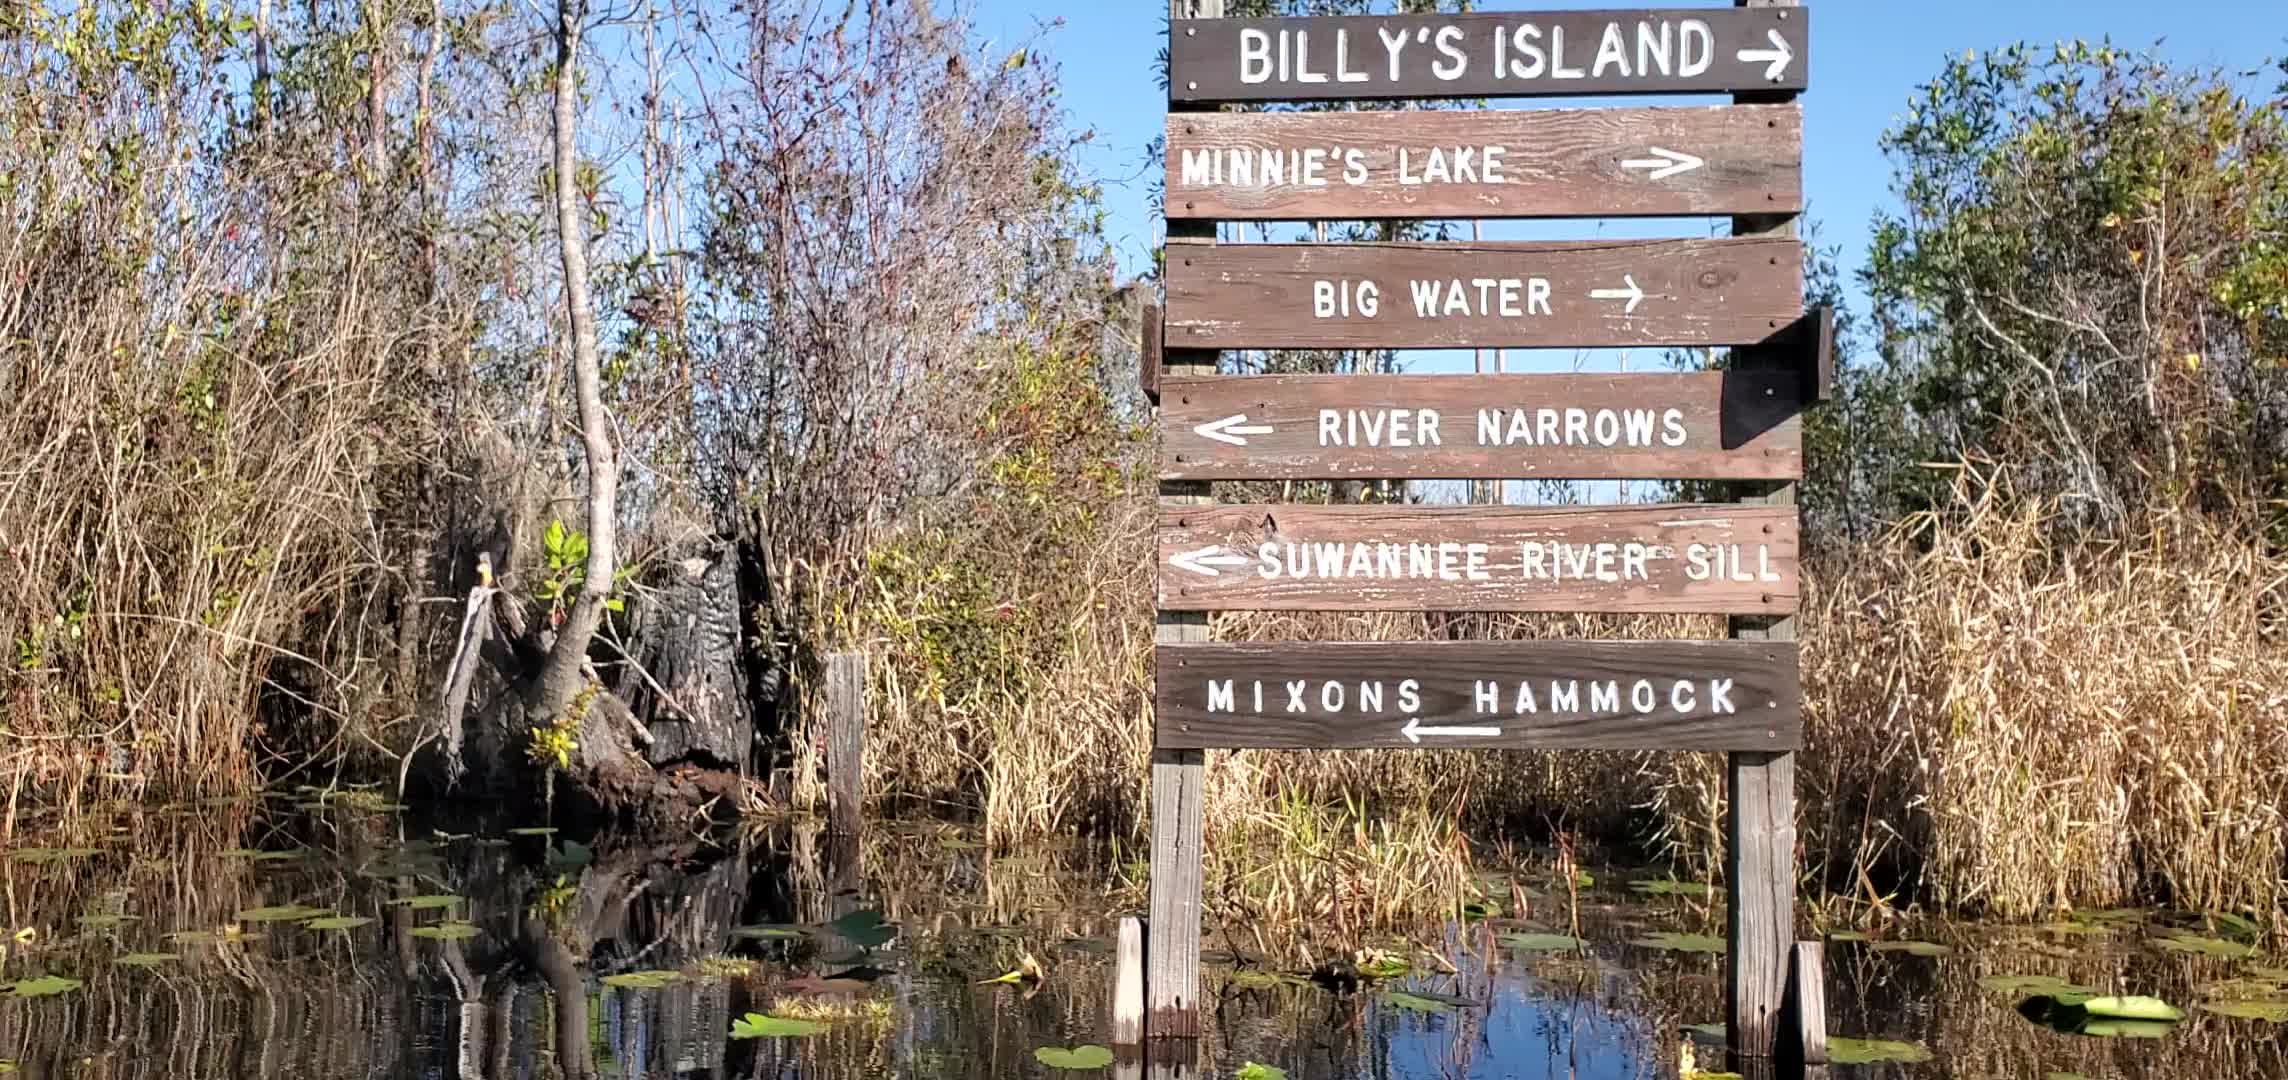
1807 1004
845 740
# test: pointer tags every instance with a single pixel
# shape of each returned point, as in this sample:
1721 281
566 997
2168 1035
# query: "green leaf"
1539 942
43 986
2206 946
446 931
643 980
553 540
280 913
336 922
534 830
1416 1002
1670 887
758 1026
2033 985
146 959
1256 1070
864 929
1383 966
1260 980
1911 948
2275 1012
1871 1051
768 932
426 902
1700 943
2132 1007
1078 1058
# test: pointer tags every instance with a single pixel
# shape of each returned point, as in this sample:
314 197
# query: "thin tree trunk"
562 676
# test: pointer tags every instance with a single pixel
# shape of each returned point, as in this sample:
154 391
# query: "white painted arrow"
1231 429
1665 163
1632 294
1204 561
1777 56
1415 729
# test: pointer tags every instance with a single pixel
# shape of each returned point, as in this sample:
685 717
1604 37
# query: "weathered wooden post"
1806 1005
1172 955
845 740
1759 849
1128 986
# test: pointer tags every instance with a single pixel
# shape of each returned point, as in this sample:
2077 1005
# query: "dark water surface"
280 940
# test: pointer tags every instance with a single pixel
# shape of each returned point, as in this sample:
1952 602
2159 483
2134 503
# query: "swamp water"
276 940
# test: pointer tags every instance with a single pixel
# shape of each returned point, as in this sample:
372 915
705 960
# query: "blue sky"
1867 55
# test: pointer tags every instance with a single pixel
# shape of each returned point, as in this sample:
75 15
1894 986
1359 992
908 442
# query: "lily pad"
446 931
1911 948
768 933
2127 1029
1259 980
2131 1007
759 1026
2080 929
1699 943
864 929
2206 946
534 830
2278 975
1871 1051
147 959
2034 985
336 922
195 937
1256 1070
1416 1002
426 902
2270 1011
281 913
1477 910
2235 925
1539 942
43 986
1670 887
1383 966
1074 1058
643 980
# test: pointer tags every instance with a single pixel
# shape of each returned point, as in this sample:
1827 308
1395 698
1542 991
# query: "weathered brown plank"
1558 294
1538 163
1700 425
1673 558
1805 1010
1491 54
1579 695
845 740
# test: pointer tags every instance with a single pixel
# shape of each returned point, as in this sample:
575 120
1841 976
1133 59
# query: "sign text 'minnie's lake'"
1491 54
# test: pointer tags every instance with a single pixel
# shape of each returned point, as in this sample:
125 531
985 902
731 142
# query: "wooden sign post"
1742 423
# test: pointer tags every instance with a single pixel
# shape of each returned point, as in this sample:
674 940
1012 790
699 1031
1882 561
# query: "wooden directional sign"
1544 695
1720 425
1516 163
1491 54
1727 558
1558 294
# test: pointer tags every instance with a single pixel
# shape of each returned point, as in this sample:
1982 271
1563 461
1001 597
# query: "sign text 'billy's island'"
1535 294
1551 695
1519 163
1726 559
1490 54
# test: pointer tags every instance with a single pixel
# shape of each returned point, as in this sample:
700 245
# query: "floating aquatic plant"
1078 1058
759 1026
1671 942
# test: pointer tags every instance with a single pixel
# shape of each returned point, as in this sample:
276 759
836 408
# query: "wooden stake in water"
1128 985
845 740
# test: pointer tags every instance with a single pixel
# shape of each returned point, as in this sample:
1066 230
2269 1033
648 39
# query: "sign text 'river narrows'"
1725 425
1550 294
1745 159
1553 695
1490 54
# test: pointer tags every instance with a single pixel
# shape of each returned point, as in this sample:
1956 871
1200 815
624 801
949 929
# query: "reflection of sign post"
1556 294
1740 424
1512 163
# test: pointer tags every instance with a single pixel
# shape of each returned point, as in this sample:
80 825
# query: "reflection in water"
228 981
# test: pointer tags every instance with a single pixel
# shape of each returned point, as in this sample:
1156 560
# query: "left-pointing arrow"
1205 561
1231 429
1415 729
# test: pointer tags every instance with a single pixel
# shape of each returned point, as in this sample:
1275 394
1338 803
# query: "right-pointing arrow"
1632 294
1664 163
1415 729
1777 57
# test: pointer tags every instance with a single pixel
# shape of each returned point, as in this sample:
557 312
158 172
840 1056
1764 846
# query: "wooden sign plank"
1539 163
1536 294
1713 425
1724 558
1541 695
1491 54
